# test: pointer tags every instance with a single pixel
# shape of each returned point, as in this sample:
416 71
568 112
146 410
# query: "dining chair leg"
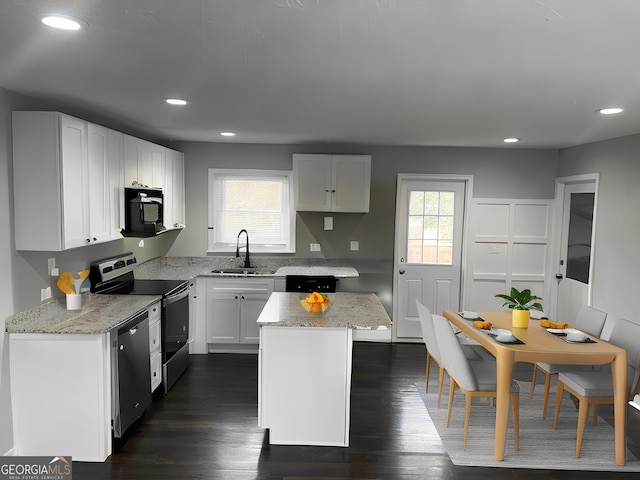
515 405
583 411
452 389
440 384
595 413
427 373
558 402
545 401
467 414
533 380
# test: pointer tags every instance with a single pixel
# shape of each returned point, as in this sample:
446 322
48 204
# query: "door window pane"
430 227
579 242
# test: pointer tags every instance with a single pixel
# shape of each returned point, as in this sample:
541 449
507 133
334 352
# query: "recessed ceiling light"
511 140
227 134
175 101
610 110
62 22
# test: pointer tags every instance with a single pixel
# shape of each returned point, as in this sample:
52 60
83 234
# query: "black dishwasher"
131 373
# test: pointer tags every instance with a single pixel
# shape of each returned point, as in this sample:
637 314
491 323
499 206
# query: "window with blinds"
259 201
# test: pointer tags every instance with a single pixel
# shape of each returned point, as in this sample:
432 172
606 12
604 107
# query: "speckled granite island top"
99 314
351 310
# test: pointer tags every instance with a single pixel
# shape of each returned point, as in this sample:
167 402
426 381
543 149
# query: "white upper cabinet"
332 183
97 196
115 154
144 163
174 189
61 194
155 166
69 177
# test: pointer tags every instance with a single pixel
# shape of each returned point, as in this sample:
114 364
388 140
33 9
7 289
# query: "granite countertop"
99 314
187 268
351 310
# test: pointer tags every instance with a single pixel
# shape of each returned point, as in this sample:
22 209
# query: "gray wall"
498 173
501 173
616 259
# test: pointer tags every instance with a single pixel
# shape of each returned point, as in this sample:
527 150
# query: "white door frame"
402 177
556 247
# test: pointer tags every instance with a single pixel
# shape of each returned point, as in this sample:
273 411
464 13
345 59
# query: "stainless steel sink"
244 271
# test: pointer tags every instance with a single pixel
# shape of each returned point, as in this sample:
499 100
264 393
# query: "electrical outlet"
494 249
314 247
45 293
355 245
328 223
51 264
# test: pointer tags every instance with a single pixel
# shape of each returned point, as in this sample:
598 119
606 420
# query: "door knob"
401 272
559 276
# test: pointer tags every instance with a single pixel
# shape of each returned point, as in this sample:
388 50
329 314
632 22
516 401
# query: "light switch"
355 245
314 247
328 223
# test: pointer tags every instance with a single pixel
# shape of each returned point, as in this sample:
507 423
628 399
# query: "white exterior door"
428 254
577 204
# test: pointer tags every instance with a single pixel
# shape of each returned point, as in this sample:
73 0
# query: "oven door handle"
176 297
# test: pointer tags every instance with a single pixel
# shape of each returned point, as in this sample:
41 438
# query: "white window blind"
256 200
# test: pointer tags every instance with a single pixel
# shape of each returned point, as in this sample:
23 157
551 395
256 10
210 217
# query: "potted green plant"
521 302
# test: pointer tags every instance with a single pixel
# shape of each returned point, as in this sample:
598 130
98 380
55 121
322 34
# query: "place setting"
567 333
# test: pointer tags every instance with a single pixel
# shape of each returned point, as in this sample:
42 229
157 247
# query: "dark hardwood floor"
206 428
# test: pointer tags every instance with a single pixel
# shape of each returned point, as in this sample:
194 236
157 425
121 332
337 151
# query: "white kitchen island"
304 368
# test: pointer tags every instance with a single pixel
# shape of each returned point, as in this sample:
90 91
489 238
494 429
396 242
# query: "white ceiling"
390 72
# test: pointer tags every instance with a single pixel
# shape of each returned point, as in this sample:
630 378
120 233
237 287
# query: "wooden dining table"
542 346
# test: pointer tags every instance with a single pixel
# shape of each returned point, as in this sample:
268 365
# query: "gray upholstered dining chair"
595 387
475 379
433 352
590 321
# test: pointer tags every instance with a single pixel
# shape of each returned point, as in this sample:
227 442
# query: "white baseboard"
364 335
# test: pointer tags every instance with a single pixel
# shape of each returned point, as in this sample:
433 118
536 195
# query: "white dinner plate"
469 315
555 330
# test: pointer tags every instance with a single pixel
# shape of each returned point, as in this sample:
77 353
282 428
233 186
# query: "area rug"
541 447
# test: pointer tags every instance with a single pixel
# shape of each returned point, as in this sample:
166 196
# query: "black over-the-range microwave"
143 212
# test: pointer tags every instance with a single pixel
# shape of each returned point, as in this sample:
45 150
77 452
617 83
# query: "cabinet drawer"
156 370
154 337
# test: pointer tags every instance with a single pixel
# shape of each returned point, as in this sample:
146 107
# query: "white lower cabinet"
304 385
61 395
233 306
155 348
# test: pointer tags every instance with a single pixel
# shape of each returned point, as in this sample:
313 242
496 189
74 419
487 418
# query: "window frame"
221 247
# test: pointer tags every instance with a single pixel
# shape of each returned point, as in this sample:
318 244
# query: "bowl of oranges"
316 302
